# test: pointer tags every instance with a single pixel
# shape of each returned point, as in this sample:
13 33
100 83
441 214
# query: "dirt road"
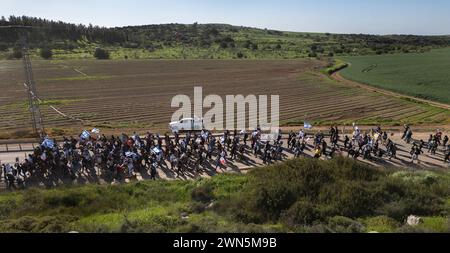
427 161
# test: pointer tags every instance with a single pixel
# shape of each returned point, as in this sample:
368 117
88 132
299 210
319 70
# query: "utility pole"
33 98
30 84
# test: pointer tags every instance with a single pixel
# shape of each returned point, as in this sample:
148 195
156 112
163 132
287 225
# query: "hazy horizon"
380 17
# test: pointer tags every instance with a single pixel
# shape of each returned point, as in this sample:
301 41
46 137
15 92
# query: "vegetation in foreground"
60 40
420 75
302 195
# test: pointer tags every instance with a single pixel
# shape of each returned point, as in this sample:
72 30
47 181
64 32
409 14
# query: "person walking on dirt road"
445 141
415 152
447 156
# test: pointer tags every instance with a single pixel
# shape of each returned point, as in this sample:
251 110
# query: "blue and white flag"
47 143
130 154
95 131
156 150
85 135
307 125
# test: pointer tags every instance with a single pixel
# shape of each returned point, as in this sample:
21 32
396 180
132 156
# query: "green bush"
101 54
3 46
381 224
203 194
340 224
271 200
306 189
302 213
354 200
312 55
46 224
73 199
17 53
46 53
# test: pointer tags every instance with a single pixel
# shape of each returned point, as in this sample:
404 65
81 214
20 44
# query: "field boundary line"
79 71
339 78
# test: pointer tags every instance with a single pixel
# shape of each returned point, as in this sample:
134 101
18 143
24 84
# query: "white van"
186 125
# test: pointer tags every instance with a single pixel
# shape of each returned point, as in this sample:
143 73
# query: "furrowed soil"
136 94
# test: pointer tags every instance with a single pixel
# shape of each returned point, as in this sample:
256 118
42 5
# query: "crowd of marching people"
365 145
121 157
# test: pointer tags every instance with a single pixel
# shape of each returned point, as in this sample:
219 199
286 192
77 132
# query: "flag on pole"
130 154
95 131
156 150
307 125
47 143
85 135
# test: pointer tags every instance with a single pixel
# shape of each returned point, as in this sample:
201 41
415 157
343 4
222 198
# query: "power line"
33 100
37 121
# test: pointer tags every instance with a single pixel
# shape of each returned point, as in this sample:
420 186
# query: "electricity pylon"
30 84
33 98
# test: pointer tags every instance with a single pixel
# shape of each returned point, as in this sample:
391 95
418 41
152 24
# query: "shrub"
203 194
395 210
101 54
272 199
312 54
46 224
46 53
302 213
3 46
223 45
381 224
17 53
340 224
247 44
354 200
240 55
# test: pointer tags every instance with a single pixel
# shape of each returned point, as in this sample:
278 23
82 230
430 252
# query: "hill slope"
200 41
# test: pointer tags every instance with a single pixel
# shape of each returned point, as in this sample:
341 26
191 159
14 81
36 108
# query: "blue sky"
336 16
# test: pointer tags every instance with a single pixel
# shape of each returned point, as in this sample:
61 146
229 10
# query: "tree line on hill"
48 35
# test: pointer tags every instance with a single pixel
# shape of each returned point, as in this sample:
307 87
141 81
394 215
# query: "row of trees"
47 53
46 31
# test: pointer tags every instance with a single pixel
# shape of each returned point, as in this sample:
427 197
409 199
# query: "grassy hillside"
298 196
199 41
421 75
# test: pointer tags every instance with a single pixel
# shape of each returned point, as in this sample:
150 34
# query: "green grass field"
423 75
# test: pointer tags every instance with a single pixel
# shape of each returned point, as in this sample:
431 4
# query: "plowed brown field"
137 94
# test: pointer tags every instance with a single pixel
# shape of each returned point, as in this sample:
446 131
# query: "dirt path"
403 160
339 78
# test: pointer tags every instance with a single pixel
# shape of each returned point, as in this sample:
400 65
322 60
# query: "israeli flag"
95 131
47 143
307 125
85 135
156 150
130 154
